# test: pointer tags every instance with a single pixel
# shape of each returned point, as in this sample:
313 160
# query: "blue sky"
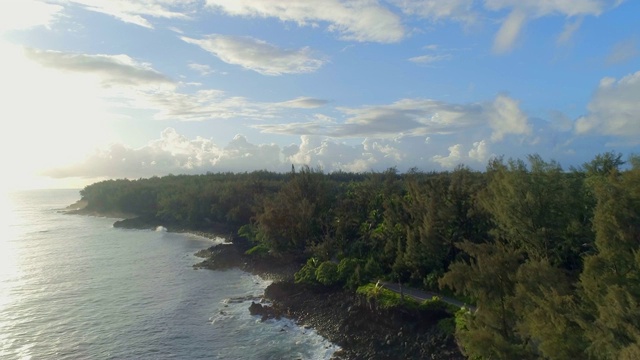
110 89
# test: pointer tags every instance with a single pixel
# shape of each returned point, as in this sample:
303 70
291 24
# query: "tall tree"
611 277
535 208
489 277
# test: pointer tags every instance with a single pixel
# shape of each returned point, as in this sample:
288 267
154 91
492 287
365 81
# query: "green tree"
537 209
489 277
611 278
547 312
297 216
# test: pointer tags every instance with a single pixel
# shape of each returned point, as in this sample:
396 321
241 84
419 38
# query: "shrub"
384 297
258 250
307 274
349 272
447 326
327 273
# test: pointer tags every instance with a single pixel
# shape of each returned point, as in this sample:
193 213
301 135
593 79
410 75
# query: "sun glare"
51 118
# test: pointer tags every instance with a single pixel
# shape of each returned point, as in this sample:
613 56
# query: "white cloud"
522 10
459 10
537 8
174 153
258 55
24 14
505 117
614 109
570 28
303 103
509 31
112 69
429 59
415 117
478 154
127 83
137 12
454 158
623 51
479 151
353 20
203 69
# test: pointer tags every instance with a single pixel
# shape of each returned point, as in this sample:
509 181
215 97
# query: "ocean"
75 287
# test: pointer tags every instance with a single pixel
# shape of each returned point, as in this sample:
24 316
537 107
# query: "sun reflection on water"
9 272
8 251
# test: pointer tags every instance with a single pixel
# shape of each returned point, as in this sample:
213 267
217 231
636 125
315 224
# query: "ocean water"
74 287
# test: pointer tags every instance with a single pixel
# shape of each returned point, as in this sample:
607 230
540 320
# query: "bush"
327 273
349 272
447 326
435 303
307 274
258 250
385 298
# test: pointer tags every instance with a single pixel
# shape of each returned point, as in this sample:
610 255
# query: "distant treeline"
549 256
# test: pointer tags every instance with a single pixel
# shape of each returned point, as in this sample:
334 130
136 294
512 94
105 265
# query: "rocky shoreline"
359 327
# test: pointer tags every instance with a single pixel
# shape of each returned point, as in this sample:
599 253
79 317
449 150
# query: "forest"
550 257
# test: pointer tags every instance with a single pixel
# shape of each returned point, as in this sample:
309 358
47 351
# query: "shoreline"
345 319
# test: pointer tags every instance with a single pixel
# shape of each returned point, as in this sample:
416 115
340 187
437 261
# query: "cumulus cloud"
505 117
454 158
24 14
614 109
478 154
479 151
258 55
174 153
353 20
138 12
414 117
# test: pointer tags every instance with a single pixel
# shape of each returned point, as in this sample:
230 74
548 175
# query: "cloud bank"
415 117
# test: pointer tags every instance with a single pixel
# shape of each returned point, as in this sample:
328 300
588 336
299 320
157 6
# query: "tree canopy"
549 257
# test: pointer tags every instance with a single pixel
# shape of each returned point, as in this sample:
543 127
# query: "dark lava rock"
361 329
222 257
139 223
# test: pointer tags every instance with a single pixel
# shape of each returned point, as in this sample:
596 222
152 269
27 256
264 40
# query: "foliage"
385 298
550 258
447 326
258 250
327 273
307 274
351 273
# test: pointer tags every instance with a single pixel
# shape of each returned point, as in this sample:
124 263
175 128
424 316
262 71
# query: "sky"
97 89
